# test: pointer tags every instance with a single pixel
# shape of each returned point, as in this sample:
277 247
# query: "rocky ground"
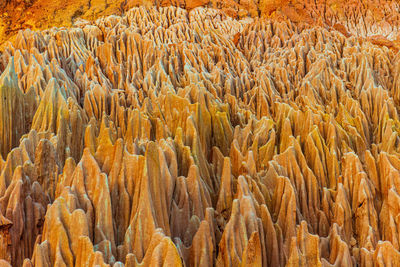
163 136
378 18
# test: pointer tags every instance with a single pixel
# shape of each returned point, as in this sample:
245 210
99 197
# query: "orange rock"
254 133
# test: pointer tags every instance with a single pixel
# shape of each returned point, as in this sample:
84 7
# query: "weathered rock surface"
375 20
172 138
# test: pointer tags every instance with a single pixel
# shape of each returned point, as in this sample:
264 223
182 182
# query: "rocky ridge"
176 138
376 20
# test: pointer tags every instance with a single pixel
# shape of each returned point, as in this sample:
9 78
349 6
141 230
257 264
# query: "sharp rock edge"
168 138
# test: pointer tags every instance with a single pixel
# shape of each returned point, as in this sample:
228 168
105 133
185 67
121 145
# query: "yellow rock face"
168 137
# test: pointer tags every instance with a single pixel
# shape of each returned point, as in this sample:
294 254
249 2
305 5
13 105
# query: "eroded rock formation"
172 138
377 20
